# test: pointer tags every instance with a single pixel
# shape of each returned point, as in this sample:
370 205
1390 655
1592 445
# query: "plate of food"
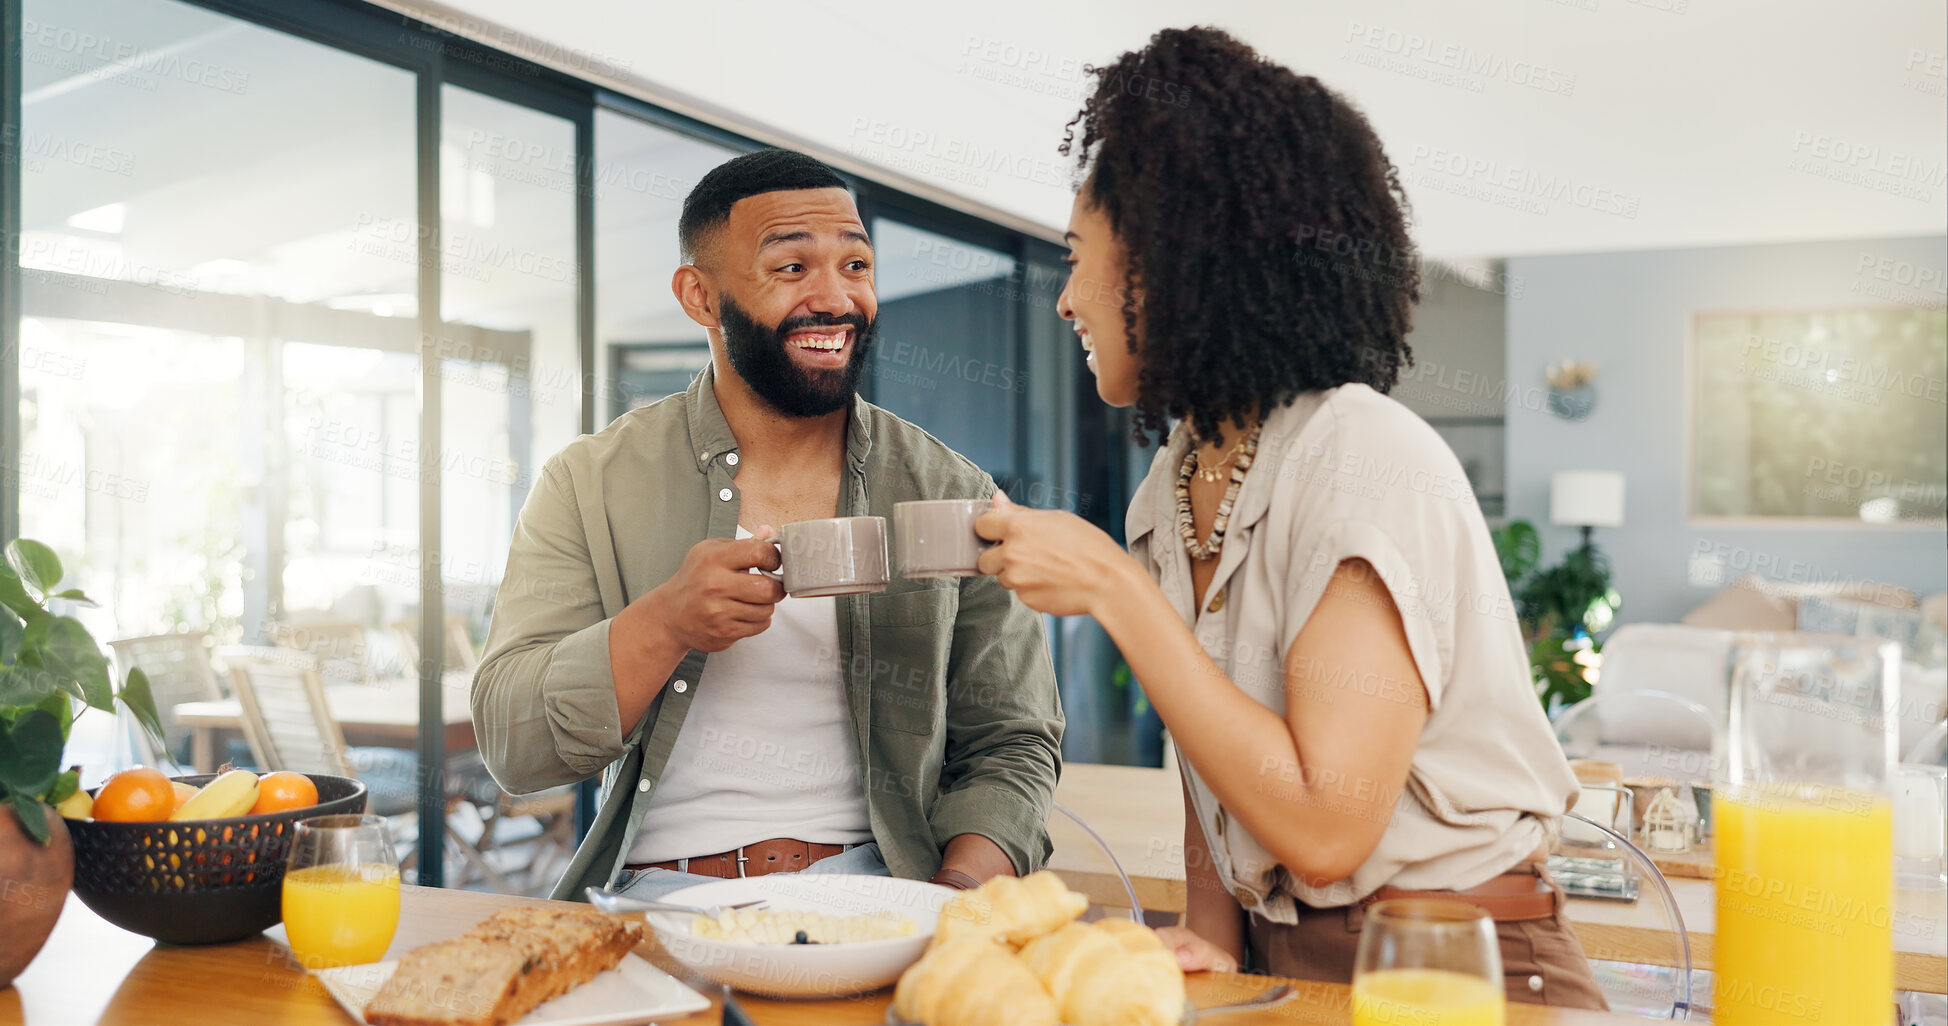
809 935
533 965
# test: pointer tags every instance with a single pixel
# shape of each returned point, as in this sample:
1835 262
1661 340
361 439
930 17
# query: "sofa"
1686 667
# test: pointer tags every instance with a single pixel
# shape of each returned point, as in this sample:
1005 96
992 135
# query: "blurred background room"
298 295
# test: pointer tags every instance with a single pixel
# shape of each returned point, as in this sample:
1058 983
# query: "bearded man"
737 731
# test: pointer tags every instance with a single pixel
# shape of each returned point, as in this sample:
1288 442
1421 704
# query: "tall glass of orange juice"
1804 824
341 891
1425 962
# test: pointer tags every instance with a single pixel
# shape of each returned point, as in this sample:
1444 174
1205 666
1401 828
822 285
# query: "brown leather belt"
777 855
1524 893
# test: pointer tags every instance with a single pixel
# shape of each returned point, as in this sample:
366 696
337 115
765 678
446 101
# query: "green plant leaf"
1519 547
39 568
14 596
142 702
68 652
75 596
1559 677
65 785
33 816
30 754
61 707
21 684
11 633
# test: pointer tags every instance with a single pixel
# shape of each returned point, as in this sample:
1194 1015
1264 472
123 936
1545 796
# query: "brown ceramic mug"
836 556
935 537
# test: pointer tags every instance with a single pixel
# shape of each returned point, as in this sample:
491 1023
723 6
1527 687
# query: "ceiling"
225 157
1521 126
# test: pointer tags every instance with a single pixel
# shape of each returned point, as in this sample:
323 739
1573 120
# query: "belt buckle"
741 859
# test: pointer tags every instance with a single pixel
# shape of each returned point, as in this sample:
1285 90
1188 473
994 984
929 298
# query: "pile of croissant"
1011 951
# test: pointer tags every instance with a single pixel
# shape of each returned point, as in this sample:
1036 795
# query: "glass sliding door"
947 354
302 311
510 365
510 396
218 343
646 347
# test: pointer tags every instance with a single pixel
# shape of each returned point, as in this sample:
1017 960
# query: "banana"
79 805
231 794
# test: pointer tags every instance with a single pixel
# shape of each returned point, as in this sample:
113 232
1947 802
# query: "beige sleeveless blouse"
1343 474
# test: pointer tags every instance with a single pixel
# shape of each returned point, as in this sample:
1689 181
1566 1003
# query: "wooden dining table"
1139 813
385 714
92 972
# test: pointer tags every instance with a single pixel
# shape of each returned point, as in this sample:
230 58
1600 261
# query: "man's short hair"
709 204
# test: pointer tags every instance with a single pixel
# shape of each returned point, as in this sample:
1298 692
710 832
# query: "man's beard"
760 355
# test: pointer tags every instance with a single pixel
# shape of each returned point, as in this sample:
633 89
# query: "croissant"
1109 973
1013 911
972 981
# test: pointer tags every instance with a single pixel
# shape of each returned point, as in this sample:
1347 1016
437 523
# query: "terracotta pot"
34 882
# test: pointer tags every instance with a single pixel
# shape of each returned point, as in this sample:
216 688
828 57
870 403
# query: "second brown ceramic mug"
935 537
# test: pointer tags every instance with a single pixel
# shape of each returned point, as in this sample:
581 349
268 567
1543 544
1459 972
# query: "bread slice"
464 982
568 948
503 968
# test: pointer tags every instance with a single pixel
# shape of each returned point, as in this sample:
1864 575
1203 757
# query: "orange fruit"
135 795
284 790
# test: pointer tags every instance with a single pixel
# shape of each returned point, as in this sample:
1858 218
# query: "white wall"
1630 313
1460 346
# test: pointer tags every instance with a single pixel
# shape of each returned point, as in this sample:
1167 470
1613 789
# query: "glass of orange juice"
1427 962
341 891
1804 823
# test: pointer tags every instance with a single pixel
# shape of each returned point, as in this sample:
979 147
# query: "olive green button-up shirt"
949 682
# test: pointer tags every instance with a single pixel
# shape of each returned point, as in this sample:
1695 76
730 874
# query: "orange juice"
1426 997
1805 896
341 915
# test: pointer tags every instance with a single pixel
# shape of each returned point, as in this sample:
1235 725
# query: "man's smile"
824 348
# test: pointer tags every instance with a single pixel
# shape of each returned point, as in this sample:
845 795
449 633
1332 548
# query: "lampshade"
1586 498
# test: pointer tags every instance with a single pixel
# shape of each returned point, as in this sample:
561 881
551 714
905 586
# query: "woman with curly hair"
1314 605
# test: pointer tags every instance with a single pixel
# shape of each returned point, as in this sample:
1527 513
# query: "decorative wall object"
1823 414
1572 389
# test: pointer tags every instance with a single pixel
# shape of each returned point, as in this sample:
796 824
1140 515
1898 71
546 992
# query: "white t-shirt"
767 749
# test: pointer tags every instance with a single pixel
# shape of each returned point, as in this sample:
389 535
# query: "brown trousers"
1542 962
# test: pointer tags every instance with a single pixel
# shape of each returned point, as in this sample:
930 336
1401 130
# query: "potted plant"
47 662
1563 608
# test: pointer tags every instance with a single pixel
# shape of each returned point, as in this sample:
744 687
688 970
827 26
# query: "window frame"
1100 455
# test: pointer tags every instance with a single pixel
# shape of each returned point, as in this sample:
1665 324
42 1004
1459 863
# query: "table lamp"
1586 499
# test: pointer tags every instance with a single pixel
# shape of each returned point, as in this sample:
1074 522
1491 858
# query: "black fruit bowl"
197 882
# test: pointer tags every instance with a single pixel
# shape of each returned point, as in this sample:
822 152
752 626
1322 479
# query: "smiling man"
737 731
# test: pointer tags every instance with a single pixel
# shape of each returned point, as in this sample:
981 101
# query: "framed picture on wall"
1835 416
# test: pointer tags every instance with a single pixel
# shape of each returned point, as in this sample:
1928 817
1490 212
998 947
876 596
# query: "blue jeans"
655 884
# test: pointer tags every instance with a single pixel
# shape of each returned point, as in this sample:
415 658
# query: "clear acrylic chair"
1932 748
1631 985
1088 865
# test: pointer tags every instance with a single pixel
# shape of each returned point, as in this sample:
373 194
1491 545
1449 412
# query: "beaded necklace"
1186 525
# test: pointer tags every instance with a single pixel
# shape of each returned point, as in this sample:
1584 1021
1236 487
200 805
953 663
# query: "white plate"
633 992
805 970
